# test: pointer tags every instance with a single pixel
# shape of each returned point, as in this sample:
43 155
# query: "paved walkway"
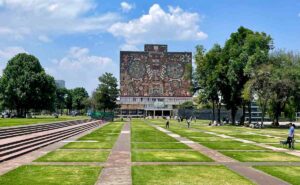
29 157
254 175
117 170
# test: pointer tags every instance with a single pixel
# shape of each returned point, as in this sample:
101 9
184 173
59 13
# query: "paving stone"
117 170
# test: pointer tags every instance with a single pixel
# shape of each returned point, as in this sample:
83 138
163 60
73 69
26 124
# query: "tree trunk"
242 121
249 112
276 123
219 113
213 116
233 112
262 116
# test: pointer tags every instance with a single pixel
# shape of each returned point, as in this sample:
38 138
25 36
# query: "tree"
69 100
207 76
285 84
79 96
107 92
260 86
61 98
187 105
25 85
242 53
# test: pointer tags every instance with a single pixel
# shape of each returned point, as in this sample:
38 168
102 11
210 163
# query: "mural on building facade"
155 72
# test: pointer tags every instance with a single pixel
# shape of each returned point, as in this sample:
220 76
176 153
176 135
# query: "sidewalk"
117 170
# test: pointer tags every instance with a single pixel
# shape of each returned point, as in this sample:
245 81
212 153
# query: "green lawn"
186 175
168 156
209 139
66 155
9 122
89 145
287 173
257 138
51 175
296 145
231 145
263 156
140 132
158 145
105 136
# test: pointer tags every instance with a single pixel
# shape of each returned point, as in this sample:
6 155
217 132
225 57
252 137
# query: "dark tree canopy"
79 97
107 92
25 85
242 53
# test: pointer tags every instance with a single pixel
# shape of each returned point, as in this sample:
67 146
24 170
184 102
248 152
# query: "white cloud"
159 25
126 7
7 53
79 68
44 38
43 17
128 47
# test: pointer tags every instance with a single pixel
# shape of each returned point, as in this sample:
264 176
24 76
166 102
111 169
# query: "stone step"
46 142
46 139
12 132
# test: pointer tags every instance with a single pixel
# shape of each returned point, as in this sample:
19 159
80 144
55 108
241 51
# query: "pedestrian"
290 139
188 122
167 123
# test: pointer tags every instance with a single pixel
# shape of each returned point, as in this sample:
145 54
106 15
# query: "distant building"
60 83
154 82
256 114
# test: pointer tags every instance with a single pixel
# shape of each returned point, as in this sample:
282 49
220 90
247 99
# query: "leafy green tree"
208 70
107 92
242 53
260 86
61 98
187 105
25 85
79 96
285 85
69 100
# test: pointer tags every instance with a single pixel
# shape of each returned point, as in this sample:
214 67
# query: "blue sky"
78 40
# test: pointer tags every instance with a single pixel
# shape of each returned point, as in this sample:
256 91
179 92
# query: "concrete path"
117 170
252 174
29 157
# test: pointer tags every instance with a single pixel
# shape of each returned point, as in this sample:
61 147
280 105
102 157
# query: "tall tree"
107 92
69 100
79 96
207 76
61 98
25 85
242 53
260 86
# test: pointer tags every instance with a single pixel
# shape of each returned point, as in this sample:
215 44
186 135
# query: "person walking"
290 139
188 122
167 123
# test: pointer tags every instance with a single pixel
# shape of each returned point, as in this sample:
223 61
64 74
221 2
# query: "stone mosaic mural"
155 72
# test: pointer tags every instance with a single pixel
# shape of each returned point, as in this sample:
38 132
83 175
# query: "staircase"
20 140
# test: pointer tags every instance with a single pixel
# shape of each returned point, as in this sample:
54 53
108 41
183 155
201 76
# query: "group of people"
180 119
